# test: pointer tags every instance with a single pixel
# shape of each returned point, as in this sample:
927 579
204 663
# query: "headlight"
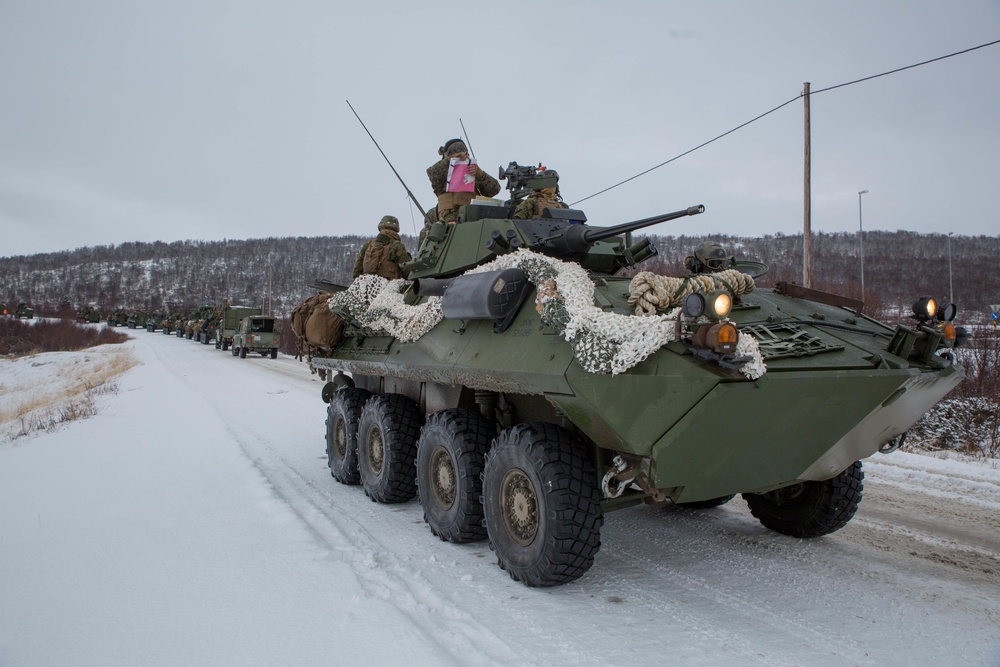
716 305
925 308
720 304
694 305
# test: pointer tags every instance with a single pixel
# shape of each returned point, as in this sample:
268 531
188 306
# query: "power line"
783 104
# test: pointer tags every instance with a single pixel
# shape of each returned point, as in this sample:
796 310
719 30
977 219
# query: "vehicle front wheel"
343 417
810 509
542 507
387 447
243 353
451 454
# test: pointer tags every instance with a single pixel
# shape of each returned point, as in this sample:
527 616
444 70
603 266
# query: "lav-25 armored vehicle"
512 382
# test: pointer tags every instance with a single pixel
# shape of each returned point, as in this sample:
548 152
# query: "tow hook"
617 477
893 445
621 474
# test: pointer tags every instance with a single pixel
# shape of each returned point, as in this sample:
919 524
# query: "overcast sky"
209 119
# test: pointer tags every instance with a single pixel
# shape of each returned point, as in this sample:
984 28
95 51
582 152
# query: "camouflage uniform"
449 202
538 201
395 253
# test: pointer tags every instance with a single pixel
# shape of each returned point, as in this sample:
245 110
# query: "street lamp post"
861 244
951 295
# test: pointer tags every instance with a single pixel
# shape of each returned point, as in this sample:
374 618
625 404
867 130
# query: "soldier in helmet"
708 257
383 254
449 202
544 194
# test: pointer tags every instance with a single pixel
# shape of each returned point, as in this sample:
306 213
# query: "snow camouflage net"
602 342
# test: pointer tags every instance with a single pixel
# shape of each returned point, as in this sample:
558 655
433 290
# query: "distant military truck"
229 320
24 311
259 334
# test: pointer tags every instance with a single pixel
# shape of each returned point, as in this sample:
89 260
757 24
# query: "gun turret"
574 239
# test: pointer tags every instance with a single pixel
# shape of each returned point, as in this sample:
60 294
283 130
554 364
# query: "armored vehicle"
155 322
118 318
137 320
258 333
88 314
229 320
524 387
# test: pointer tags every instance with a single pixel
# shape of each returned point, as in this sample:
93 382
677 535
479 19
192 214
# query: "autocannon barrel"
595 235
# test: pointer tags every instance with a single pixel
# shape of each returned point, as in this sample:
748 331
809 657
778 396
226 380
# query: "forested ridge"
898 267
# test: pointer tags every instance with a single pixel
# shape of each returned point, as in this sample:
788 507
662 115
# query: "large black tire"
451 454
243 353
342 419
387 448
542 507
810 509
707 504
274 353
225 344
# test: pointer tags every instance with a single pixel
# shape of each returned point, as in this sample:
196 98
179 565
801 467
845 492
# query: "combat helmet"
389 222
708 257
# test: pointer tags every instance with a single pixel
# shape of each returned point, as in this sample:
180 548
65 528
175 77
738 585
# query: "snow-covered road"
194 522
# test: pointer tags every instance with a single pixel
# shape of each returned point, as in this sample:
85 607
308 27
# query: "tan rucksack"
315 327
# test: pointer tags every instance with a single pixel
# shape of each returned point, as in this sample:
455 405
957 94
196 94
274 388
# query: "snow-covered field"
193 521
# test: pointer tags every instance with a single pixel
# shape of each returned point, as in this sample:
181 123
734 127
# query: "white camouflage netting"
602 342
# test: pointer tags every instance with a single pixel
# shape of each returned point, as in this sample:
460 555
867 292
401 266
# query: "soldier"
708 257
383 255
449 202
544 194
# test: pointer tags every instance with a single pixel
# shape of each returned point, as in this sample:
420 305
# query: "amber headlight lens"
723 338
721 304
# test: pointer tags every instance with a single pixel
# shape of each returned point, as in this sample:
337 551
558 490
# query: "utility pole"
861 244
807 213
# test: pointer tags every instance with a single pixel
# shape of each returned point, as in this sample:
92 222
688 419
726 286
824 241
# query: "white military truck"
258 333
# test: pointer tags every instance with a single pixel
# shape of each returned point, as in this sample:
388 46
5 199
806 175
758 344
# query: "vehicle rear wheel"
387 448
243 353
810 509
707 504
542 507
225 344
451 454
274 353
342 419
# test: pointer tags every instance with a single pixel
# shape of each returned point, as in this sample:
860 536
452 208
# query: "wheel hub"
519 505
340 439
376 451
443 481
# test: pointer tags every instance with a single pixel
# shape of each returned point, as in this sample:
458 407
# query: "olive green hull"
707 431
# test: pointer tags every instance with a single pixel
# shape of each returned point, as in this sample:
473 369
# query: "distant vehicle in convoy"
24 311
89 315
525 387
256 334
137 320
155 321
229 320
118 318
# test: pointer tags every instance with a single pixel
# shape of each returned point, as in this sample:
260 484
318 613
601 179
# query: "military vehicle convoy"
258 333
229 320
88 314
524 388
